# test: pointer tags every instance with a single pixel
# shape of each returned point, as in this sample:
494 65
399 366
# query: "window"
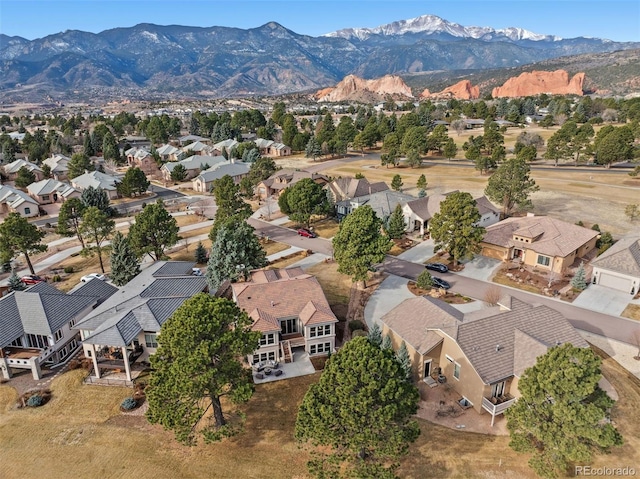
262 357
289 326
497 389
45 197
317 331
320 348
267 339
58 335
151 340
62 353
544 260
72 323
73 344
16 342
27 210
38 341
456 370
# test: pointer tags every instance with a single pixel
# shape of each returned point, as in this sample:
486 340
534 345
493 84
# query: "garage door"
615 282
492 253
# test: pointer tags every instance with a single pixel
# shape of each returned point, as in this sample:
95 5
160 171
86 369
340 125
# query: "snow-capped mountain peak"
431 24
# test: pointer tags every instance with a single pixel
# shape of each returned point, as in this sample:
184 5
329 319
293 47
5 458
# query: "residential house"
619 266
141 158
36 325
539 241
263 145
11 169
97 180
418 213
203 183
279 149
289 308
481 354
226 144
284 178
185 140
346 188
58 165
192 165
170 153
17 201
52 191
383 203
199 148
124 328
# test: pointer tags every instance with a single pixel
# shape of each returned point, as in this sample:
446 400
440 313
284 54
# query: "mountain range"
155 62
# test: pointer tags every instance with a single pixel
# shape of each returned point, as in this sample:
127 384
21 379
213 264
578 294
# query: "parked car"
307 233
440 283
90 276
32 279
196 272
439 267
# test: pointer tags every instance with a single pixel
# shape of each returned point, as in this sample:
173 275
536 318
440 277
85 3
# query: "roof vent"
498 348
272 304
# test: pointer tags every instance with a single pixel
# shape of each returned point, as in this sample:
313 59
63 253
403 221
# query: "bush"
128 404
68 269
35 401
425 281
356 325
359 332
56 278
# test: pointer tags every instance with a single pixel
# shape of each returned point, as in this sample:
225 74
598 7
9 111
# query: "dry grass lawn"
336 286
287 260
82 265
632 311
81 429
273 247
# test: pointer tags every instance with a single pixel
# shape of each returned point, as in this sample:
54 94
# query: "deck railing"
498 408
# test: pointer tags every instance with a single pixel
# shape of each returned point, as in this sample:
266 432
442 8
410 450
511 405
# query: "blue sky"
615 20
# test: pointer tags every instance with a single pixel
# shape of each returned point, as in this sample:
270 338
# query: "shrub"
68 269
56 278
425 281
35 401
359 332
356 325
128 404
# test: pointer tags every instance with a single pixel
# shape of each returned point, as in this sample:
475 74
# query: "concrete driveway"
481 268
391 292
419 253
604 300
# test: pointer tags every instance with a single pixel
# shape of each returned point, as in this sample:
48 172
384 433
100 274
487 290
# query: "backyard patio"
270 371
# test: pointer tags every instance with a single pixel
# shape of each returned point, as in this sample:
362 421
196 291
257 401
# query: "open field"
82 429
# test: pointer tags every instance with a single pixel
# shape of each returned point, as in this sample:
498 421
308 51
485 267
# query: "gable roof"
167 150
143 304
228 144
221 169
58 163
43 309
383 202
15 166
271 295
48 186
13 197
424 208
349 187
95 179
622 257
499 342
548 235
194 162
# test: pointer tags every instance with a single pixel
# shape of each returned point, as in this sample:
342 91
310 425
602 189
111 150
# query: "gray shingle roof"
175 287
383 202
622 257
10 322
222 169
173 268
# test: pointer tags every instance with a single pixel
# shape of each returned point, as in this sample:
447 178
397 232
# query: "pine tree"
425 280
200 254
396 225
404 359
124 263
386 342
14 282
396 183
579 280
421 184
375 335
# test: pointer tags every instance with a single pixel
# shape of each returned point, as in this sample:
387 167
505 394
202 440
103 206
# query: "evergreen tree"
425 280
454 228
14 282
133 183
69 218
87 149
450 149
405 360
357 441
421 184
97 197
386 342
230 203
179 172
562 416
313 149
124 262
375 335
78 165
396 183
96 228
305 199
413 159
17 236
234 253
395 224
197 364
579 280
200 254
358 244
25 177
511 185
154 231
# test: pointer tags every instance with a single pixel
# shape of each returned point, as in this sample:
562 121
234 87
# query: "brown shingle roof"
284 293
622 257
554 237
425 208
349 187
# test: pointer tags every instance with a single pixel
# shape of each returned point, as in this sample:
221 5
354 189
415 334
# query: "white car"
90 276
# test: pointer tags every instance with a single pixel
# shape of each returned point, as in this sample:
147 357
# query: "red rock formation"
536 82
463 90
353 87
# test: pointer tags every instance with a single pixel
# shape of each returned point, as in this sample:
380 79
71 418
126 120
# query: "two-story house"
291 311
